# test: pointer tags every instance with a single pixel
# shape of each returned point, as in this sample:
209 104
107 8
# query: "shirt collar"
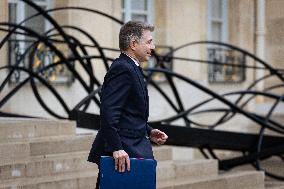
135 61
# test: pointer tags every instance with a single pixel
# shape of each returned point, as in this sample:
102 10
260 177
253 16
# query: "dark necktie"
139 67
142 73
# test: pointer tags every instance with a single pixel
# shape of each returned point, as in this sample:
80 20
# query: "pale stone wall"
241 24
274 38
3 18
186 22
241 30
101 28
177 22
160 32
61 16
275 33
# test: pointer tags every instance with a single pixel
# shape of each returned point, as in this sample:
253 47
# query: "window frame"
20 16
128 12
223 73
223 20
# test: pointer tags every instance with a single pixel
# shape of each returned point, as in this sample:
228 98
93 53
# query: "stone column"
260 41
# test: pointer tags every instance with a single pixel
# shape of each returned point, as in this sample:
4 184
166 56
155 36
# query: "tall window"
141 10
217 20
19 11
231 72
20 45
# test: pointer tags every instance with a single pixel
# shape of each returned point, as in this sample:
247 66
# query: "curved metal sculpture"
255 147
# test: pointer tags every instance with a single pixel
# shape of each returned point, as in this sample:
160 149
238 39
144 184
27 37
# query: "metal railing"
254 147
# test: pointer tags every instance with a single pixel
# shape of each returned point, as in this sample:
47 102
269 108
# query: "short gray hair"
132 30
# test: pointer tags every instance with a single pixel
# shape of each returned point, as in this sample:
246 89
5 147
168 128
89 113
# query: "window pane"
216 8
139 5
13 12
137 17
216 31
36 23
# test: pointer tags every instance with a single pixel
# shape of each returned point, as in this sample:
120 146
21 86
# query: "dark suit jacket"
124 112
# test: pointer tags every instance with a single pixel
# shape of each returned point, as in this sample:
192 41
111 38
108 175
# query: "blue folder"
142 174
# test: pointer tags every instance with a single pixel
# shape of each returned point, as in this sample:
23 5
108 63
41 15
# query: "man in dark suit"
124 107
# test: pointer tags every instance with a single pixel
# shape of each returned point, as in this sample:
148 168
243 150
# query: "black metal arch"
255 147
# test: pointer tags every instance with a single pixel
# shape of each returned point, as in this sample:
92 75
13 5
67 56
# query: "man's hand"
120 158
158 136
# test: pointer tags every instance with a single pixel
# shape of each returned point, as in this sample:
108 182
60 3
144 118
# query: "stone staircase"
47 154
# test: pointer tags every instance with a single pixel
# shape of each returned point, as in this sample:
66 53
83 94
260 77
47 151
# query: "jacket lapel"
139 74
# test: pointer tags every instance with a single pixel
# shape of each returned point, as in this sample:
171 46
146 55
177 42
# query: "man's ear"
132 45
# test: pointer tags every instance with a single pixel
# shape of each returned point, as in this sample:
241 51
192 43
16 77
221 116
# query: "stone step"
58 154
64 144
273 184
59 144
15 129
13 151
58 165
241 180
82 142
186 169
76 161
87 180
274 187
47 165
274 165
163 153
73 180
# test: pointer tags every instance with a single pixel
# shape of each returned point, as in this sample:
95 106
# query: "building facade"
253 25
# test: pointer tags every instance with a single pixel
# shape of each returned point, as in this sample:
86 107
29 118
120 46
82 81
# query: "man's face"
144 47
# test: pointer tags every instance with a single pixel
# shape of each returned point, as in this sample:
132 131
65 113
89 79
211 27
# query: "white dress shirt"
135 61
